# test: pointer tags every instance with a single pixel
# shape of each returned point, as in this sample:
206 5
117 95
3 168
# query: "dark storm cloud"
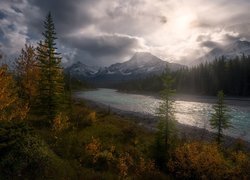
104 49
72 16
209 44
105 45
68 15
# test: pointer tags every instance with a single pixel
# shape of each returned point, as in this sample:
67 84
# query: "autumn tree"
51 85
11 107
220 119
166 128
27 73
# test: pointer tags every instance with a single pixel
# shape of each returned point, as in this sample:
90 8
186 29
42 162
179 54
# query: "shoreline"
149 122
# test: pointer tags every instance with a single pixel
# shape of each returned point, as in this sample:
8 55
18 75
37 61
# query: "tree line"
230 75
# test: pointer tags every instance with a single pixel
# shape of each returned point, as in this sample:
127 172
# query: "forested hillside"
232 76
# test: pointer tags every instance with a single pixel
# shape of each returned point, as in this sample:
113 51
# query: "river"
190 112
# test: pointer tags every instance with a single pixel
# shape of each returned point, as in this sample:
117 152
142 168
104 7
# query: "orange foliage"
196 160
96 151
92 116
125 161
60 122
10 105
241 165
144 167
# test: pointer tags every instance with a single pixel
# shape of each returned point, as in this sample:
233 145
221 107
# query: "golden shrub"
100 156
196 160
144 167
60 122
92 116
93 148
241 165
125 162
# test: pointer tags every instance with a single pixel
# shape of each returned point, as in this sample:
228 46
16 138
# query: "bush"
198 160
60 122
23 154
241 165
101 158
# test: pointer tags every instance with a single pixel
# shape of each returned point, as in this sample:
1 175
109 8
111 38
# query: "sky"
103 32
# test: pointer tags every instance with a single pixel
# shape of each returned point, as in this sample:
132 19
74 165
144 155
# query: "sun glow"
182 22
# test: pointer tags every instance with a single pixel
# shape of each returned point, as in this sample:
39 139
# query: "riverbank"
149 122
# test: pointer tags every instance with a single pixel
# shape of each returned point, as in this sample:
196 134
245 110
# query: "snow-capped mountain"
81 70
142 63
238 48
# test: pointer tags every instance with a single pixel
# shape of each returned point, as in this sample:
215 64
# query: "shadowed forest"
230 75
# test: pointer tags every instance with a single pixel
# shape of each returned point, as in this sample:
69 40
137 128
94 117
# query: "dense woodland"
230 75
47 134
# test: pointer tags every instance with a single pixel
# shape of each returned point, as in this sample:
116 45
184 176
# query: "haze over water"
186 112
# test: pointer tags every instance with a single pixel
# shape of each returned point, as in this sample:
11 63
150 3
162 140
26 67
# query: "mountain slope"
80 70
142 64
238 48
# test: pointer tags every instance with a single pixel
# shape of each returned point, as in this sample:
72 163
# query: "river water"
194 113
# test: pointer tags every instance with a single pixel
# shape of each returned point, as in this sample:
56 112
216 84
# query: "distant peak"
143 57
143 54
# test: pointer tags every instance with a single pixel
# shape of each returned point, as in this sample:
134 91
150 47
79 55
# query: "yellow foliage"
198 160
92 116
94 148
145 167
125 161
10 105
60 122
241 162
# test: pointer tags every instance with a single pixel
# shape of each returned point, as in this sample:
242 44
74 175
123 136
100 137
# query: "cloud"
103 32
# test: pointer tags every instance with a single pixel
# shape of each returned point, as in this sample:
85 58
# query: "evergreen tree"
220 118
27 74
166 133
51 86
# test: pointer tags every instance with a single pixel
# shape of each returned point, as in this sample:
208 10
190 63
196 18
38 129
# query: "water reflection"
186 112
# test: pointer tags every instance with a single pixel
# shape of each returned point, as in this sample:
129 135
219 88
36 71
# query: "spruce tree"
220 119
166 129
51 85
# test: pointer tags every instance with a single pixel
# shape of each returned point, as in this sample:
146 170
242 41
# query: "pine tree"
51 85
220 118
166 129
27 74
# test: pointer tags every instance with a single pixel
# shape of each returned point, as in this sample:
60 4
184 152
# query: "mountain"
142 64
238 48
80 70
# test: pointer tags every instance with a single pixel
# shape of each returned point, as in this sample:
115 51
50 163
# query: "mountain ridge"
230 51
140 65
